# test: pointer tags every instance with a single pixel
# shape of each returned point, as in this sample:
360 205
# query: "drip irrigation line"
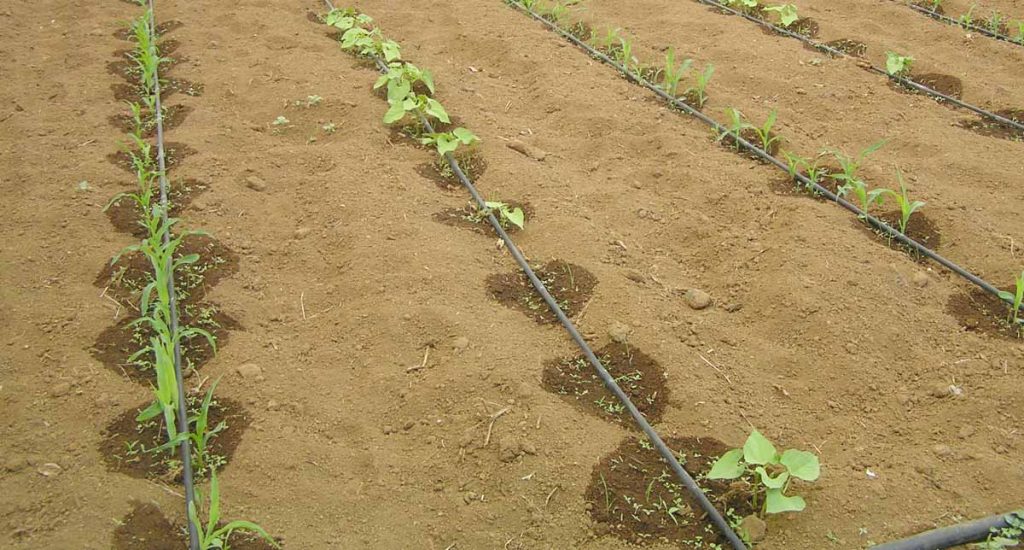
666 453
950 21
948 537
899 79
765 156
185 447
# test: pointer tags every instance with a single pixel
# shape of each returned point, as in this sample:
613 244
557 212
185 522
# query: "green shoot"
1017 298
698 90
850 165
936 4
448 142
898 65
1020 32
787 14
212 537
996 22
864 196
735 127
765 132
672 74
907 207
609 39
967 19
1011 536
506 214
624 55
769 472
814 171
202 435
403 99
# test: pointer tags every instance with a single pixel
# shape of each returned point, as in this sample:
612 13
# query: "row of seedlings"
831 173
997 25
637 508
148 272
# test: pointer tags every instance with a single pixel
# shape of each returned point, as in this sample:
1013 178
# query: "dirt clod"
697 299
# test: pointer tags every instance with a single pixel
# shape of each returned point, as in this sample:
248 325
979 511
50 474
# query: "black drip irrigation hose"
839 53
185 447
950 21
713 514
765 156
948 537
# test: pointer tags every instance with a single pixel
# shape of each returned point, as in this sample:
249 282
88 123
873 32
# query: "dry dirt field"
379 390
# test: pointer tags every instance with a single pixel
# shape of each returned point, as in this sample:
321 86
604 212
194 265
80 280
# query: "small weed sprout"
448 142
787 14
1011 536
768 472
329 128
1017 297
967 19
212 537
898 65
672 74
907 206
699 89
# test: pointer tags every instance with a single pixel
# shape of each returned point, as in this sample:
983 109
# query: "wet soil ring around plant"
839 53
713 514
763 155
950 21
183 427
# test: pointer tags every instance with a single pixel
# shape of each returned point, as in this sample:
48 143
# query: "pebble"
755 527
618 332
965 432
250 371
920 279
60 389
15 463
697 299
301 232
389 430
941 391
528 150
461 343
50 469
942 451
255 183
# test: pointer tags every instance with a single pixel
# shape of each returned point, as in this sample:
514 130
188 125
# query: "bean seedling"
1011 536
403 99
212 537
898 65
402 74
506 213
1017 298
672 74
907 206
448 142
698 90
768 472
787 14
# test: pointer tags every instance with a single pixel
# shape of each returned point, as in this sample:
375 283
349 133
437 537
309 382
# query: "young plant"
347 18
764 133
787 14
403 99
907 206
967 19
608 40
506 214
448 142
850 165
1017 298
699 89
898 65
624 55
202 433
1011 536
864 196
996 22
1020 32
212 537
735 128
813 171
936 4
672 74
402 74
768 472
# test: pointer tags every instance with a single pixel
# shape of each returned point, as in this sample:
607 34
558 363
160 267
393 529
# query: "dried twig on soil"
490 426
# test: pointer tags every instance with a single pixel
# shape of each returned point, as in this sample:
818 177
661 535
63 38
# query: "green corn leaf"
728 466
149 412
758 450
770 482
777 503
801 464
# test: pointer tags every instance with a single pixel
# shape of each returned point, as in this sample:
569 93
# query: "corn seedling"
936 4
769 472
606 41
764 133
1017 297
624 55
864 196
506 214
967 19
898 65
699 89
212 537
448 142
787 14
672 74
813 171
201 435
996 22
851 165
1020 32
907 206
735 128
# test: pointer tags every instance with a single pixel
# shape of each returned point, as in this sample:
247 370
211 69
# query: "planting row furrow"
812 174
997 25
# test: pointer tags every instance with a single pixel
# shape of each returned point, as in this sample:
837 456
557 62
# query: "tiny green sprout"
765 132
699 89
769 472
1017 297
1020 32
996 22
213 536
735 127
506 213
448 142
1010 536
606 41
672 73
898 65
907 206
787 14
967 19
813 171
936 4
280 121
313 100
329 128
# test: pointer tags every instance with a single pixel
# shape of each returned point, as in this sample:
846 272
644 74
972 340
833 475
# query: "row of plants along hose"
410 95
810 173
997 25
187 431
897 66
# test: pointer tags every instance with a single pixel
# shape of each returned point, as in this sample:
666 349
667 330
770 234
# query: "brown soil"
124 215
116 344
467 218
804 26
569 284
470 160
145 526
930 6
921 228
123 281
943 83
169 87
174 153
632 490
753 138
174 115
981 312
986 127
125 443
640 376
849 46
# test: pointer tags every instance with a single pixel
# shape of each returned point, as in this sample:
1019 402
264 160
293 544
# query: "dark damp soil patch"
981 312
125 215
173 116
174 153
468 217
692 99
920 228
133 93
991 128
145 526
804 26
124 280
930 6
470 159
571 286
127 444
640 376
754 139
125 33
130 71
849 46
115 345
632 494
581 31
943 83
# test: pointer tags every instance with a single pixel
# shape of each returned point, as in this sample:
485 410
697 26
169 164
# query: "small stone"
408 425
733 308
15 463
697 299
636 277
942 451
920 279
249 371
509 450
255 183
528 150
50 469
389 430
965 432
941 391
301 232
273 405
461 343
618 332
60 389
754 527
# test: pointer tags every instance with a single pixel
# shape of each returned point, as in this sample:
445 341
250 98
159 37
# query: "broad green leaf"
149 412
728 466
398 91
391 50
1005 295
437 111
801 464
770 482
384 78
516 217
394 114
465 136
428 79
758 450
777 503
446 145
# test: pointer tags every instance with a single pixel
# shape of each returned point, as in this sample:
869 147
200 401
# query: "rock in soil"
528 150
255 183
697 298
618 332
754 527
250 371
